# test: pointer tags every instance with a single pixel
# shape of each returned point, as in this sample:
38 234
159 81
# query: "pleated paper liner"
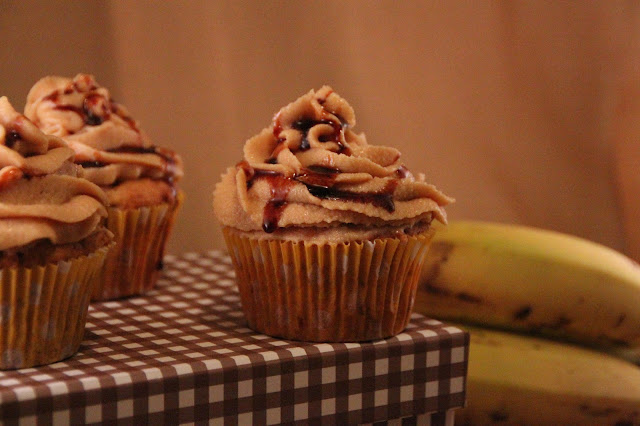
133 266
43 310
338 292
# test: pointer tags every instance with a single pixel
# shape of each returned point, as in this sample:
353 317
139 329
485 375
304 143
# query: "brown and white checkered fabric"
183 354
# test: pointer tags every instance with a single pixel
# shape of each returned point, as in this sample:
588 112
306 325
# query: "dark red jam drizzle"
95 109
402 172
136 150
93 101
92 164
13 134
303 126
280 187
320 183
86 111
318 180
318 177
11 138
383 199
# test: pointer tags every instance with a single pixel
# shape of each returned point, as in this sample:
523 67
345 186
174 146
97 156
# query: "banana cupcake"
327 233
52 244
138 177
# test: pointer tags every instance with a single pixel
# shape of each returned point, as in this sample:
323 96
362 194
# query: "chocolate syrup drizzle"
402 172
95 109
13 132
11 138
92 164
320 181
303 126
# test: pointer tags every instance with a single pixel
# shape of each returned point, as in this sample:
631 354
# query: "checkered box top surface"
183 354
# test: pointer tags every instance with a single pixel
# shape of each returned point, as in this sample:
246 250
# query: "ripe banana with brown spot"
522 380
533 280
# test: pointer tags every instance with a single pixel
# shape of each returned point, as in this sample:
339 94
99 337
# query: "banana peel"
532 280
525 380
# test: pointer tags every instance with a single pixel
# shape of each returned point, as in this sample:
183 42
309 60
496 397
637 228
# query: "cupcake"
52 244
138 177
327 233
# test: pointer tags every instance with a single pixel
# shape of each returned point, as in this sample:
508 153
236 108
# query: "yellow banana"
523 380
534 280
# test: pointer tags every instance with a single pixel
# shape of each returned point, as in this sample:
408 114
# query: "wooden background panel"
509 107
52 37
625 135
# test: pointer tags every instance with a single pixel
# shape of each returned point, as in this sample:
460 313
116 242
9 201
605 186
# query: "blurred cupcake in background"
138 177
52 244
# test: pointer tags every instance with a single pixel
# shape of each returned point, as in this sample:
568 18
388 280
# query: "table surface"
183 352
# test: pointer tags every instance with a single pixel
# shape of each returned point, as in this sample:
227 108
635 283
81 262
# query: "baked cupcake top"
42 194
309 169
108 142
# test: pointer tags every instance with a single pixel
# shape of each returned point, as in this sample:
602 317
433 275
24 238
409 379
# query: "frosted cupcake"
138 177
326 232
52 244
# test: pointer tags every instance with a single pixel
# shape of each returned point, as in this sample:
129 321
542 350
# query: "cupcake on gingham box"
52 244
327 233
138 177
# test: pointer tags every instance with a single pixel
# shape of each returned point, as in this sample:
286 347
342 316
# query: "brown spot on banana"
561 323
470 298
621 319
438 255
608 341
558 325
523 313
445 293
435 290
499 416
597 412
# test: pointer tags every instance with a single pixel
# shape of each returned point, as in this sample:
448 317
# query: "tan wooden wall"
526 112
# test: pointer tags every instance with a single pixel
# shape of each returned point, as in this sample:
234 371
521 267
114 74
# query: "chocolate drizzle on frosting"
320 182
11 138
42 195
280 187
106 139
96 107
382 199
310 169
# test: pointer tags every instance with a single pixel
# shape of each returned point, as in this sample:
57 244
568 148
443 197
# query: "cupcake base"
133 266
335 292
43 310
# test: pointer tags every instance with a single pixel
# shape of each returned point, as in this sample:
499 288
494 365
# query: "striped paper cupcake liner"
334 292
43 310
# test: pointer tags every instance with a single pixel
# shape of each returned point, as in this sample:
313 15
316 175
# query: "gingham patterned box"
183 354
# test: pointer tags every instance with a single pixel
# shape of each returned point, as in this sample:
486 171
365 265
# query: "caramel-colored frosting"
107 141
42 195
309 169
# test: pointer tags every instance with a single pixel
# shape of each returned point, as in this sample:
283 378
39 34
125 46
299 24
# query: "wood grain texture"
507 106
625 137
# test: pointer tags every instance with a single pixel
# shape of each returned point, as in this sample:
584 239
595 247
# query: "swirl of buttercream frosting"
42 193
310 169
107 141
